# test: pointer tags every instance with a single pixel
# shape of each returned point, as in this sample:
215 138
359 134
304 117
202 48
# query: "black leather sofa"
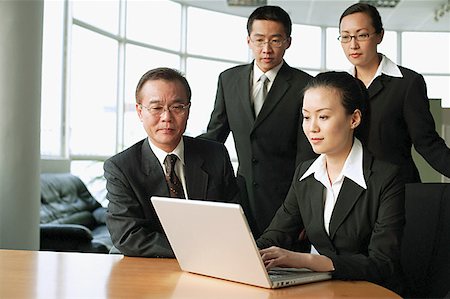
70 217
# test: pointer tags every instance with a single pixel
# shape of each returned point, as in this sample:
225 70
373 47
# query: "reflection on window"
434 56
226 41
305 47
93 94
155 23
101 14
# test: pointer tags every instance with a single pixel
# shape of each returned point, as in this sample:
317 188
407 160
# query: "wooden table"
34 274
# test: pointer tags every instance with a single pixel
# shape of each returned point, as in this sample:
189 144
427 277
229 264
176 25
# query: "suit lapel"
315 195
276 93
243 92
196 177
151 167
348 196
377 86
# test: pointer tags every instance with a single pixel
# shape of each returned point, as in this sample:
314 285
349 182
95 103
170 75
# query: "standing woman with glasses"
399 114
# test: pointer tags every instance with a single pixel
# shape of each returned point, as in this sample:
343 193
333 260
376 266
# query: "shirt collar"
387 67
161 155
353 166
271 74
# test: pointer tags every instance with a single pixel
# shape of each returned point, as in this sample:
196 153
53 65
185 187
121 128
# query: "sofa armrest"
64 237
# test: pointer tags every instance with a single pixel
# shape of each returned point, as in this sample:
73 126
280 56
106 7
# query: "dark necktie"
173 182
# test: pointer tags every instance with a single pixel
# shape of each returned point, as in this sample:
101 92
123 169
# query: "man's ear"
139 111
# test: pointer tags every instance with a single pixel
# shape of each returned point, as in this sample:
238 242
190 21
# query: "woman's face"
360 53
326 123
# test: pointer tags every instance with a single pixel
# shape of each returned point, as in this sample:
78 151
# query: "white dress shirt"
352 169
257 73
387 67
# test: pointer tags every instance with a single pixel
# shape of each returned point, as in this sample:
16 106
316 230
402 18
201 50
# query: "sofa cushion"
64 198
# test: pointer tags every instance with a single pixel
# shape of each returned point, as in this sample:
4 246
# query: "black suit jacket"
134 175
365 227
400 117
267 147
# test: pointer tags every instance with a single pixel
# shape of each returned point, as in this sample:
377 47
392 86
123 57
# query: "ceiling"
408 15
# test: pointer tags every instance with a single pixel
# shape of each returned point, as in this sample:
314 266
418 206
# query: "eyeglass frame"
170 109
357 37
261 44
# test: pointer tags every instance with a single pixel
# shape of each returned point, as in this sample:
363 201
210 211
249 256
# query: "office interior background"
94 52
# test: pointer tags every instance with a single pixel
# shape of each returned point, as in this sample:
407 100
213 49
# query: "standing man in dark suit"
199 169
266 133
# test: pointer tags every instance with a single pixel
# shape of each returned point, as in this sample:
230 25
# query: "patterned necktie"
173 182
261 95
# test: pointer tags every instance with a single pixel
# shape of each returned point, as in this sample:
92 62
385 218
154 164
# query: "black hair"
271 13
368 9
163 73
353 94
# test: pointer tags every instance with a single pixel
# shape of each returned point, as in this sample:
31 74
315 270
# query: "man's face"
267 56
164 128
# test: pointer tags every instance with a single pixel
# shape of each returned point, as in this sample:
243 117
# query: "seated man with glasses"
166 163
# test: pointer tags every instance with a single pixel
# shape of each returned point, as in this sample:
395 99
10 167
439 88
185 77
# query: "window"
88 83
434 58
93 93
305 50
226 42
52 82
155 23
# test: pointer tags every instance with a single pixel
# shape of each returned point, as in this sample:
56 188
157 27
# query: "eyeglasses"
175 109
359 37
275 43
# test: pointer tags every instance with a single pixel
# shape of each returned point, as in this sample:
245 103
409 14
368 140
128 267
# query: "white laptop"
214 239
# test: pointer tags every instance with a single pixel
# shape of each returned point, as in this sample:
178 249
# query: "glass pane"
227 41
439 88
335 56
154 22
138 61
51 93
435 59
101 14
305 48
93 93
202 76
389 45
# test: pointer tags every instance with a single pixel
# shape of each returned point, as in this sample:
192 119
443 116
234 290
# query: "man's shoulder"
232 71
296 73
131 152
202 145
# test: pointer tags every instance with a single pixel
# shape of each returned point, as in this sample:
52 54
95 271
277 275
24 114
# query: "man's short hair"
163 73
271 13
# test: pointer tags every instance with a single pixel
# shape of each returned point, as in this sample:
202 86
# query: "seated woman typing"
350 204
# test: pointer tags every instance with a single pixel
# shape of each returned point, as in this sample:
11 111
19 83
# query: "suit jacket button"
255 184
254 160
